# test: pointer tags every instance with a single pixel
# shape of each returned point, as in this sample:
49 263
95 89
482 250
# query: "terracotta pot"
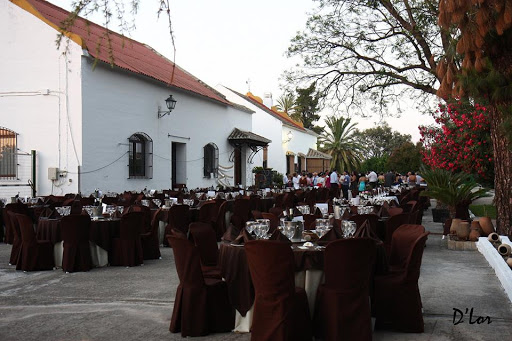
463 230
509 262
474 234
453 226
504 250
486 225
494 237
475 225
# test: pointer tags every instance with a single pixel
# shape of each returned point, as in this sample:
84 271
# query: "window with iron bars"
8 162
140 163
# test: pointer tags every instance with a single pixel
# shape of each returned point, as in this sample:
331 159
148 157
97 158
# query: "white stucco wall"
34 80
43 95
300 142
117 104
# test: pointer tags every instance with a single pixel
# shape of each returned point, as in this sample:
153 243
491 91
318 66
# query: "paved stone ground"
117 303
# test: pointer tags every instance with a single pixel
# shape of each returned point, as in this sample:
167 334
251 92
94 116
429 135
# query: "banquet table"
102 231
235 270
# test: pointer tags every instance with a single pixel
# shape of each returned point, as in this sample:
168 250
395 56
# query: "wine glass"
110 209
249 226
120 209
289 231
352 229
265 223
157 202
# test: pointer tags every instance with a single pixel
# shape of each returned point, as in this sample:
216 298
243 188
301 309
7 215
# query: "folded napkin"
277 235
346 215
231 233
365 231
47 213
328 237
243 237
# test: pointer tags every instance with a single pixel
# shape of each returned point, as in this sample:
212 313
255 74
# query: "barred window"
141 156
8 162
211 160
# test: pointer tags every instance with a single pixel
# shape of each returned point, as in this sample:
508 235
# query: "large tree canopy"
371 51
381 140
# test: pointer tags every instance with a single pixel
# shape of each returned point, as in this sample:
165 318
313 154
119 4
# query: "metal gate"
22 180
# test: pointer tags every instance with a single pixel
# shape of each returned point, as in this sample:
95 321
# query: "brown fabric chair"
127 249
397 296
220 222
205 240
241 212
281 311
147 215
343 302
149 240
179 219
395 210
11 223
201 305
402 245
34 255
75 231
392 224
256 214
19 208
208 212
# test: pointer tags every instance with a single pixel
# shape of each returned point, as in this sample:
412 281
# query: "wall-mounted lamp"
170 103
289 136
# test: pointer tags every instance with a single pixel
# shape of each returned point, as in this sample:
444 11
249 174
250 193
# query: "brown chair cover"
395 210
402 244
256 214
281 311
397 296
342 305
12 223
277 211
17 207
76 207
241 212
201 305
392 224
208 212
149 240
220 222
127 249
75 231
205 240
34 255
179 218
147 215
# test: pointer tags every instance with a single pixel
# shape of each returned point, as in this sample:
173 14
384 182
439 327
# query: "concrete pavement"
117 303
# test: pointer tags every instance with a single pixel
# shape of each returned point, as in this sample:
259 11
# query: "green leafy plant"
452 189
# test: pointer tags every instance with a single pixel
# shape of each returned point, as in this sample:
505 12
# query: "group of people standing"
354 182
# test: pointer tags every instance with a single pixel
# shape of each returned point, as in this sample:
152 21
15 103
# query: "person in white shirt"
320 181
372 179
334 180
295 180
285 179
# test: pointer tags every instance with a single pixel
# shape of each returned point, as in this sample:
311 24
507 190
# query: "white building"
291 142
93 122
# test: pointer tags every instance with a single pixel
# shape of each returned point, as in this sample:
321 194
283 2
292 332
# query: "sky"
237 43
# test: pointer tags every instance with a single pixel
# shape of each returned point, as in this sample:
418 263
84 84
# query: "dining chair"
256 214
208 212
11 223
17 207
241 212
179 218
392 224
35 255
149 240
204 238
395 210
127 249
201 305
147 215
223 217
75 231
342 310
281 311
397 298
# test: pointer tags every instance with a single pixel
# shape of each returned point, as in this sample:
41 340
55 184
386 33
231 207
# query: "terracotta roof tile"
127 53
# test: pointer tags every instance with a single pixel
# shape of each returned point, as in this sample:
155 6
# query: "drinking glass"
110 209
265 223
157 202
120 209
249 226
289 231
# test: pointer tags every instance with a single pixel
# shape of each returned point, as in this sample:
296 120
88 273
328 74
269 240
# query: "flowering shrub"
461 142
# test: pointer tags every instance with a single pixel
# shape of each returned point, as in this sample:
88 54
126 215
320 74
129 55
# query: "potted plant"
456 191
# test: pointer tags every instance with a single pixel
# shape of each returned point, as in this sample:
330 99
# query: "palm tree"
339 142
286 104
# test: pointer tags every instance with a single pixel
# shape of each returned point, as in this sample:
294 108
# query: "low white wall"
503 271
